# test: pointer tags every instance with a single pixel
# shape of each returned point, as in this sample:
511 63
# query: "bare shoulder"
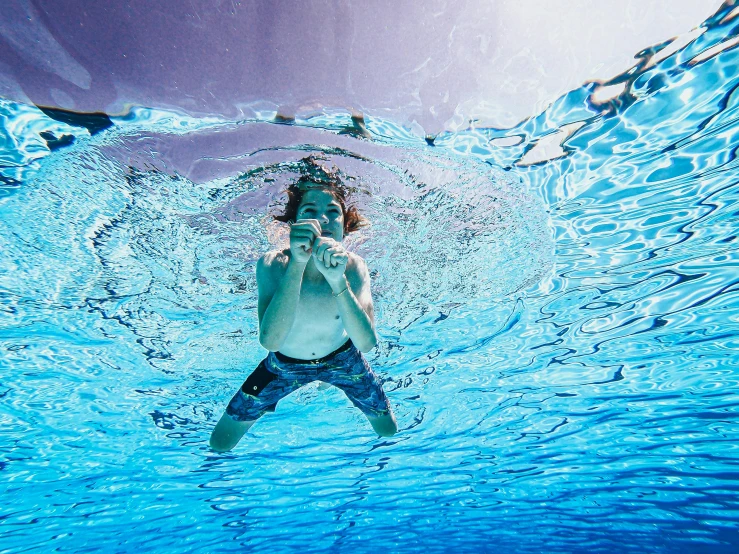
275 257
357 267
272 264
356 261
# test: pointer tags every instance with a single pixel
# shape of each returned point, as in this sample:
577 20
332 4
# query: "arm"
354 301
279 292
278 283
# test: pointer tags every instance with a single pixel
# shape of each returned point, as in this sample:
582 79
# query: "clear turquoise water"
559 340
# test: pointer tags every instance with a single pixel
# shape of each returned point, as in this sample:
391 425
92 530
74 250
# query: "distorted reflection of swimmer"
315 312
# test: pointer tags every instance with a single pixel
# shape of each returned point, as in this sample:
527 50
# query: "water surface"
557 306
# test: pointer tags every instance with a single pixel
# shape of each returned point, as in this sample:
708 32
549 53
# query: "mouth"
327 234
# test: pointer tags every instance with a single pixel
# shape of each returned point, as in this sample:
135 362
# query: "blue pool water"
559 330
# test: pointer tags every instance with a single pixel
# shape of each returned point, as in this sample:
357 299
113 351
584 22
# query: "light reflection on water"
558 337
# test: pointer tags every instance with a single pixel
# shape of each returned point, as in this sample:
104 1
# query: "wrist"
339 285
297 265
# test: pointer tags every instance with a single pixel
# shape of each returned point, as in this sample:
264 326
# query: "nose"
323 218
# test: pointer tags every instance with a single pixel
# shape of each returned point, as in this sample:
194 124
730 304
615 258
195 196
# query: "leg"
352 374
358 128
384 425
259 394
228 433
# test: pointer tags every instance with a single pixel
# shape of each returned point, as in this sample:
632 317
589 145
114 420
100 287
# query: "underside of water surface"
557 305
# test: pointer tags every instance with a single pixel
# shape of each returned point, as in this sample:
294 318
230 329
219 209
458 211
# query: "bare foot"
284 119
357 129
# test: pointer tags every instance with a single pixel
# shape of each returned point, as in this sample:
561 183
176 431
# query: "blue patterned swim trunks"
279 375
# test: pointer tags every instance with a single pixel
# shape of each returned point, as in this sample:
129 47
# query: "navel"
337 317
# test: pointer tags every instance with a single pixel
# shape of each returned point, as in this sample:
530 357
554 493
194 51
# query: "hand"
302 234
331 258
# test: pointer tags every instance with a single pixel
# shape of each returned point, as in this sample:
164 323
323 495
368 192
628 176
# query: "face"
321 205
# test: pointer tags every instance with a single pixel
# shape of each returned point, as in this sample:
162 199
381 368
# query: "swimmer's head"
316 177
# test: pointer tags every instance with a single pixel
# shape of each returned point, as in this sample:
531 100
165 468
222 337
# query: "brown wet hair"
317 177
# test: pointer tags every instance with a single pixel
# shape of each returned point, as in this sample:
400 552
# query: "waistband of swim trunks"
287 359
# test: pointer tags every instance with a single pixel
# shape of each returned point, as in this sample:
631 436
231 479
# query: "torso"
318 329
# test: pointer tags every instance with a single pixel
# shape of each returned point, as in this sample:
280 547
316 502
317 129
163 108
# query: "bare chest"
318 328
317 307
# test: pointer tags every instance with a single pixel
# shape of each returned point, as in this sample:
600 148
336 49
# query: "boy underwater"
315 313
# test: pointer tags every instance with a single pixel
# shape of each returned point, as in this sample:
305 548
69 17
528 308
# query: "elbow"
368 344
269 342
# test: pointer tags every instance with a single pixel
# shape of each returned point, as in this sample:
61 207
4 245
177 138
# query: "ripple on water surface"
559 337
